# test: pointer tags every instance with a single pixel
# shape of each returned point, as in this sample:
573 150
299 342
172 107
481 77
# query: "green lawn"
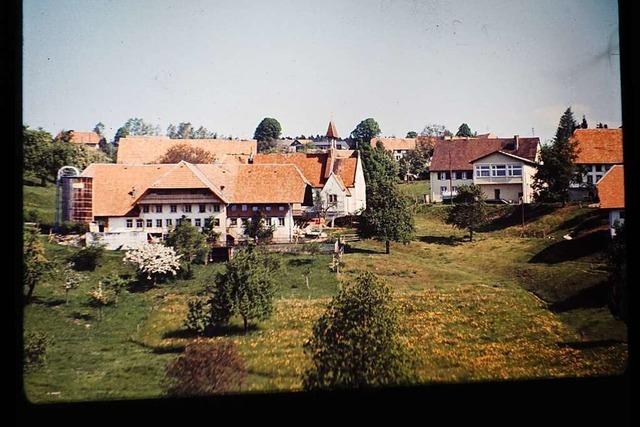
503 306
41 200
416 189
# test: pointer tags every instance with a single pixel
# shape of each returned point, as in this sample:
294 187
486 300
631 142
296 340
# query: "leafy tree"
71 280
258 229
469 210
388 216
412 134
115 284
136 127
154 261
435 130
266 133
377 164
357 342
37 144
100 297
246 287
205 368
188 153
35 263
417 160
99 129
619 302
211 235
464 130
557 168
190 243
365 131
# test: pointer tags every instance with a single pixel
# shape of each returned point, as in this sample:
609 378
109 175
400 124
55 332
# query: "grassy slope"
466 313
42 200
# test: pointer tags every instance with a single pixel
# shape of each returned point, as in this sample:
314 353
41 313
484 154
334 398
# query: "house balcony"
497 180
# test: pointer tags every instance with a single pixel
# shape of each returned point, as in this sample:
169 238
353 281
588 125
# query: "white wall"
281 233
359 191
436 183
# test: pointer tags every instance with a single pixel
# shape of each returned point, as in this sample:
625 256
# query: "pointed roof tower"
332 132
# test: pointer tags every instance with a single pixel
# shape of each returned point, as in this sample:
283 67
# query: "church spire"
332 132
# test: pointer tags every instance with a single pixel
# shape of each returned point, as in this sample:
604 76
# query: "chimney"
516 141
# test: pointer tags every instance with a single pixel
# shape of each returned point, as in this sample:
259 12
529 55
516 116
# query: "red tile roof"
233 183
462 151
315 166
598 146
611 188
148 149
391 144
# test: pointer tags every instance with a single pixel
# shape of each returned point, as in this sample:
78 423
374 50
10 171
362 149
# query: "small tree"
188 153
246 287
188 242
258 229
35 264
366 130
205 368
72 280
99 298
469 211
412 134
115 284
154 261
266 133
356 342
388 216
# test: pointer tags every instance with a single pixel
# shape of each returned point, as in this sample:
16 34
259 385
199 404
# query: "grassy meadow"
509 305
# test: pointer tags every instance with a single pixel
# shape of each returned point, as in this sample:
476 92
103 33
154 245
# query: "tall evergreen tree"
464 130
584 124
557 168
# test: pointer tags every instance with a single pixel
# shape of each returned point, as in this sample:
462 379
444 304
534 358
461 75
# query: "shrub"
87 258
35 348
154 261
198 315
32 215
72 228
116 284
205 368
99 298
356 342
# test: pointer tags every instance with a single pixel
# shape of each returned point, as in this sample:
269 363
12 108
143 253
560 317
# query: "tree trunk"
306 281
246 325
30 293
471 234
43 182
387 247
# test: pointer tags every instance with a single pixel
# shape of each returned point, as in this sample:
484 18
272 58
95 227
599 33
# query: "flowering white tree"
154 260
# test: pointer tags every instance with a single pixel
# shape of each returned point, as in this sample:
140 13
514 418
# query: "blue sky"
500 66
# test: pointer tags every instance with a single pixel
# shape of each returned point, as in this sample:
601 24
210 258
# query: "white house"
502 167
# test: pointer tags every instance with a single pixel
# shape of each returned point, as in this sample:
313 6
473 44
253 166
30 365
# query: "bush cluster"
35 348
87 258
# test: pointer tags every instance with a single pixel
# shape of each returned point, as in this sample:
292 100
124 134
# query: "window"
139 223
216 207
187 208
443 189
158 208
280 208
589 179
233 222
267 221
281 222
598 177
145 208
158 223
216 222
454 189
442 176
198 222
234 207
149 223
202 208
207 222
333 198
254 208
599 168
463 175
498 170
174 208
244 208
169 222
268 208
515 170
129 223
482 170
